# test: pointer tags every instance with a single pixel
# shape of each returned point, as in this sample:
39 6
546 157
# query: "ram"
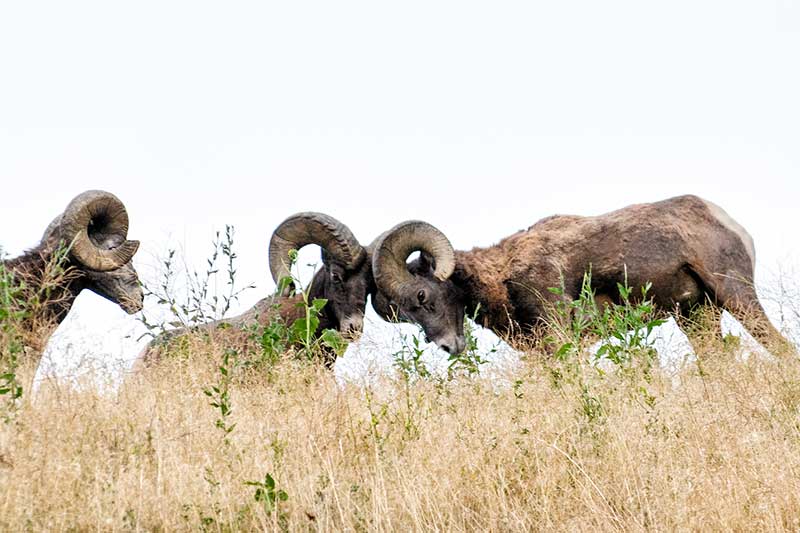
344 281
688 248
88 245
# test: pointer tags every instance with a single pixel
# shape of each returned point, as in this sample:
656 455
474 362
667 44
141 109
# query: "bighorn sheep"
93 229
344 281
687 247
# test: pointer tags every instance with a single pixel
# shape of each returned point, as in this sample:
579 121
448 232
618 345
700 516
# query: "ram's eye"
422 297
335 277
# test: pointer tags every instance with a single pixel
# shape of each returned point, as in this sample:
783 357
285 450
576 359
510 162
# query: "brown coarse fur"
687 248
85 247
47 287
50 280
238 332
345 301
39 271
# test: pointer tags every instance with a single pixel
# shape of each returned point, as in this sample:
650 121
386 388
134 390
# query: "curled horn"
95 225
390 255
301 229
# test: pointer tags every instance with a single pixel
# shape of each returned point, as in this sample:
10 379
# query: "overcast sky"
479 117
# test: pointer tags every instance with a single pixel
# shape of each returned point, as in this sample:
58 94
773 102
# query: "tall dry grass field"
556 447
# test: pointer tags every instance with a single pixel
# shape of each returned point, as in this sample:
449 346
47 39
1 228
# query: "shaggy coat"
346 293
688 248
49 290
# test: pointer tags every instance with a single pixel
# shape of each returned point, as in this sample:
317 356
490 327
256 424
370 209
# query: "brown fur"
233 332
48 292
36 269
680 245
343 300
52 283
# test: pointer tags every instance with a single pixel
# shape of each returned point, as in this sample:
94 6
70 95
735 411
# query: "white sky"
479 117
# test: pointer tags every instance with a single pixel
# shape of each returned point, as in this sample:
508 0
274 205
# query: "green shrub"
13 311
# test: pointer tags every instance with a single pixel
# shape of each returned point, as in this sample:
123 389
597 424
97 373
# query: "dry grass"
720 451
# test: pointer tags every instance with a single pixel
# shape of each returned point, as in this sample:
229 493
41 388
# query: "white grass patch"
675 351
671 344
374 355
748 346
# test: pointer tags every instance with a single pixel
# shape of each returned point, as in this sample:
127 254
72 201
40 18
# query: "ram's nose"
132 304
461 343
453 346
352 327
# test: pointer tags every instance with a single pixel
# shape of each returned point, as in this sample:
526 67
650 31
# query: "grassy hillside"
560 447
223 436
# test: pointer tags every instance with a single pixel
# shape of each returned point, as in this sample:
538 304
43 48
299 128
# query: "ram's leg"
737 295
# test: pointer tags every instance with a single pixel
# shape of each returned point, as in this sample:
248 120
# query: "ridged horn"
301 229
88 224
390 255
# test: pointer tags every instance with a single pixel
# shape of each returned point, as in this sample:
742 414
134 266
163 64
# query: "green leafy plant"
470 359
624 332
12 312
272 338
623 329
220 394
267 494
408 359
198 301
303 331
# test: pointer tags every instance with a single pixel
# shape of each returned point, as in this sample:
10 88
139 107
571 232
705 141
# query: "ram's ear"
427 264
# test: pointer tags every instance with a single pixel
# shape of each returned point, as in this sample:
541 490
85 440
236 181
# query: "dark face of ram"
436 306
345 278
420 291
346 292
120 286
101 255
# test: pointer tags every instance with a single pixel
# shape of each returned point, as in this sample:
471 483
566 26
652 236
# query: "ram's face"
420 291
437 306
346 292
346 276
95 227
121 286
